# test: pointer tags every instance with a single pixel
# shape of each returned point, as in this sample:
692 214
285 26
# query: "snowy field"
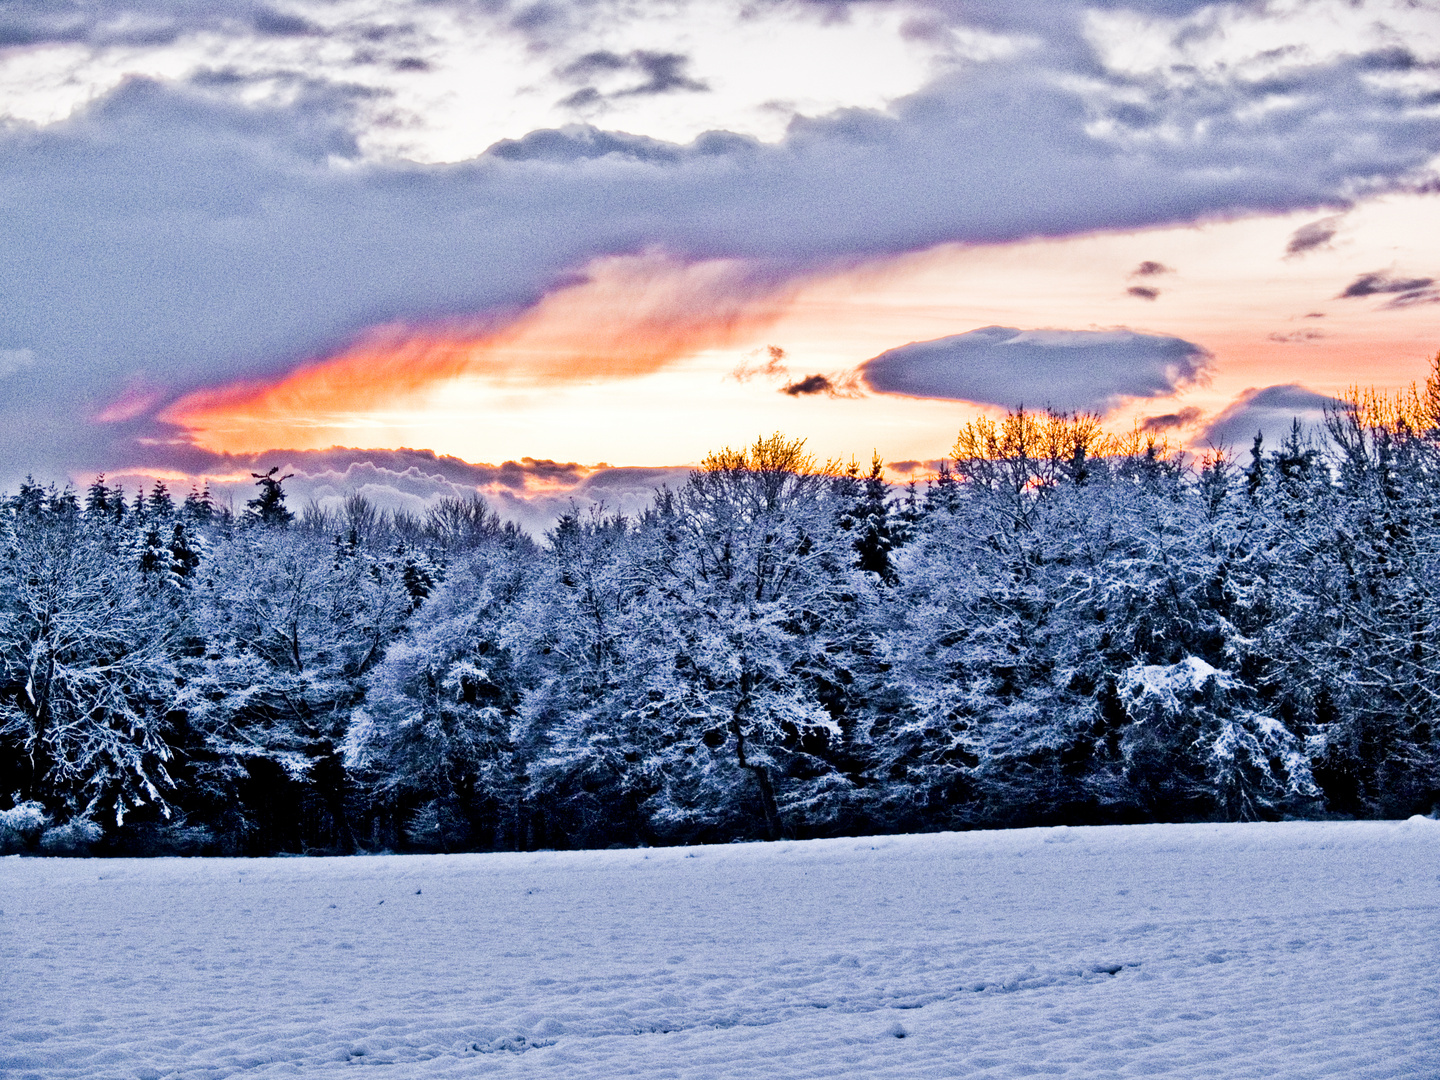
1276 950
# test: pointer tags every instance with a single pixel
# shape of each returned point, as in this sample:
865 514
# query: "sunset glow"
637 364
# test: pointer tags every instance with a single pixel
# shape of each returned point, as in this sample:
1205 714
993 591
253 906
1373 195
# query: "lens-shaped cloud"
1090 370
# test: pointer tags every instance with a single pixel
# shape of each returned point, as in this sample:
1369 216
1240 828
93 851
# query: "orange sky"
635 366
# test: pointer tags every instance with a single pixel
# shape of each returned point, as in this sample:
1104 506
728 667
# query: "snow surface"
1280 950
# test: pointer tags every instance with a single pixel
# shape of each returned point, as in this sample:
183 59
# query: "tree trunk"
329 775
768 804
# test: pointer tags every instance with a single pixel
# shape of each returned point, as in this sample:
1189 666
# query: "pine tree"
160 504
268 508
97 499
871 520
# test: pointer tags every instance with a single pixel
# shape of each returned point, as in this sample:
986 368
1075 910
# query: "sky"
561 250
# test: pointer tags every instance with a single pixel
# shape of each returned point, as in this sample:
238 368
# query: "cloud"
1380 282
271 23
594 63
811 384
1169 421
13 360
1415 297
845 384
662 72
1143 292
1089 370
1314 235
1297 337
532 493
1404 292
1149 268
1271 411
177 240
772 367
911 467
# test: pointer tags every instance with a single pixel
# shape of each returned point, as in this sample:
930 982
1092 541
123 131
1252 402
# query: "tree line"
1061 626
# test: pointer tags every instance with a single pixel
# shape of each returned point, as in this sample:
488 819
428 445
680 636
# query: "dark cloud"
1415 297
173 239
594 63
142 22
665 72
662 73
1297 337
1149 268
1314 235
585 96
1380 283
1170 421
811 384
272 23
1270 411
1088 370
1143 292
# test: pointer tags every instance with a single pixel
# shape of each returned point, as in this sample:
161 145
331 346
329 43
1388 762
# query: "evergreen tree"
160 504
268 507
199 505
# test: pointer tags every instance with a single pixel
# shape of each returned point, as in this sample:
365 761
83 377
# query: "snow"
1164 681
1302 949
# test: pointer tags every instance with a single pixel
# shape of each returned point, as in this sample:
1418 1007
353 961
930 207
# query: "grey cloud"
1088 370
1415 297
1149 268
173 241
662 72
1143 292
1380 283
665 72
1170 421
1314 235
594 63
272 23
580 142
1270 411
583 97
1396 58
142 23
811 384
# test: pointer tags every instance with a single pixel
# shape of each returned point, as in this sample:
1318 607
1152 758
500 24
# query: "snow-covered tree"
87 673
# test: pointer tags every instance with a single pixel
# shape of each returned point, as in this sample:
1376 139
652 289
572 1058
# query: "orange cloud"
630 316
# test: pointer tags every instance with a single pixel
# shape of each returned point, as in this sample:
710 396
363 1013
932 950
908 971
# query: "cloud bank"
1085 370
532 493
1269 411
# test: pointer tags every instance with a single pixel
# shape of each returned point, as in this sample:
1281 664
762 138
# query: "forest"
1061 626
